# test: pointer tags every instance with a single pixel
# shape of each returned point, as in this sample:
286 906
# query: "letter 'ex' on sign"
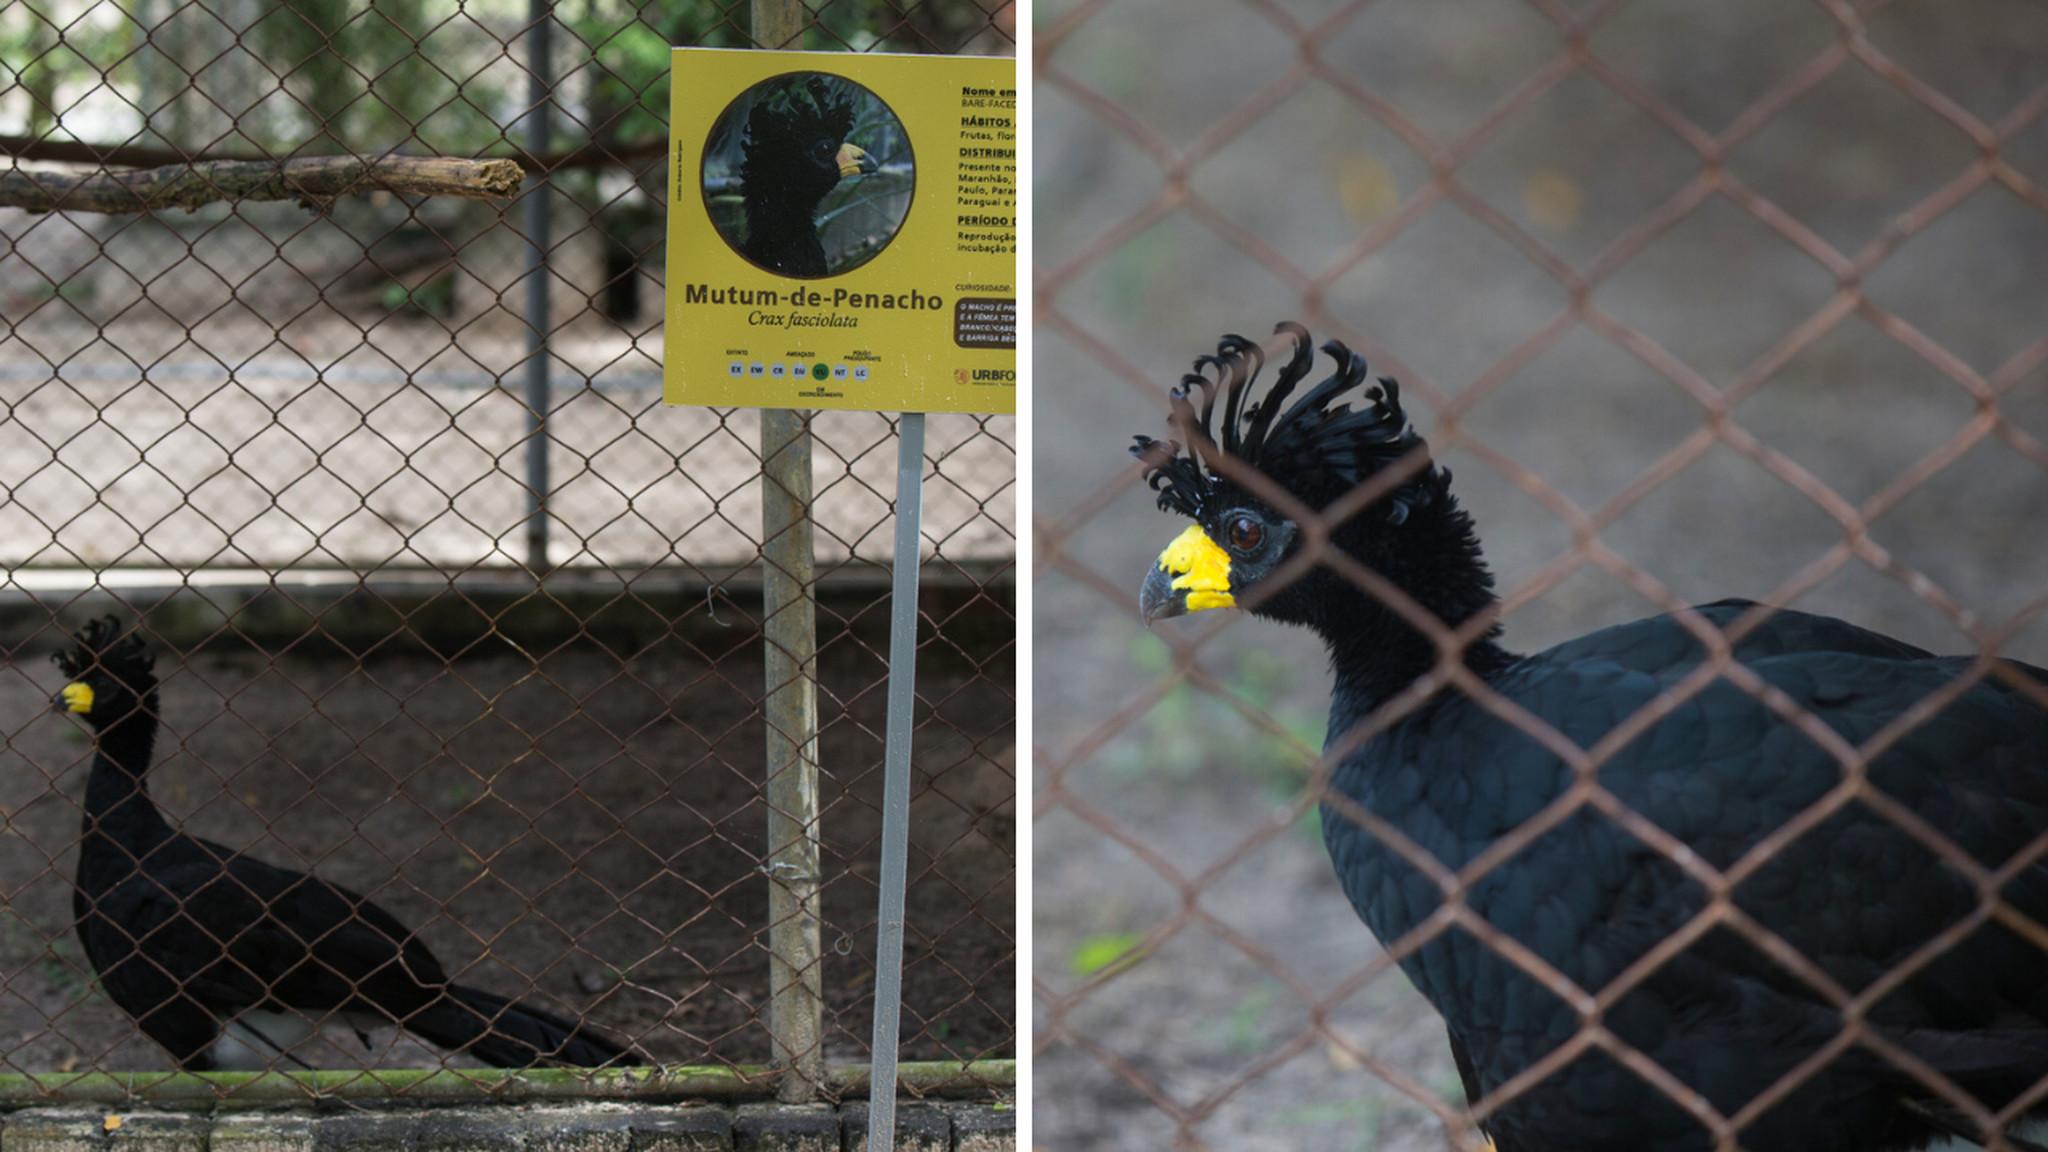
842 232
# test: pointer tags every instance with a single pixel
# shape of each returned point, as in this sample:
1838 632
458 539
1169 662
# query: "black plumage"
1856 894
794 153
189 937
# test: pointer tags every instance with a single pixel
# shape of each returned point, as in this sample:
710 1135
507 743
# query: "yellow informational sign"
842 231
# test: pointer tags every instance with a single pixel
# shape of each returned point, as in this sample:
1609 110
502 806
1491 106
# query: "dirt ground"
1188 928
203 390
584 829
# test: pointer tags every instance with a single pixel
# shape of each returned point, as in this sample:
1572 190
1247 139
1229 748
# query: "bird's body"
795 153
190 937
776 241
1858 895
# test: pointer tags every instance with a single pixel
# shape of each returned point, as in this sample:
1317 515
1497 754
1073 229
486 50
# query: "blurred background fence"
455 612
1697 300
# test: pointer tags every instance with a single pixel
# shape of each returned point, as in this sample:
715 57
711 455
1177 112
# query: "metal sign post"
896 780
539 126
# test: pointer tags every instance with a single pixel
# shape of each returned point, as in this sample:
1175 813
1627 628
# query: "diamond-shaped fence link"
288 442
1698 301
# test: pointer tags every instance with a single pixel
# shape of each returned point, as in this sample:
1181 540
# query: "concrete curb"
785 1128
919 1128
596 1127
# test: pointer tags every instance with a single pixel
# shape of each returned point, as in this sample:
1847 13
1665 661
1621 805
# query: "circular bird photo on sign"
808 174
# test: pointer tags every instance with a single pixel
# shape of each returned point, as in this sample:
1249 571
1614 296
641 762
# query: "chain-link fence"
446 607
1697 301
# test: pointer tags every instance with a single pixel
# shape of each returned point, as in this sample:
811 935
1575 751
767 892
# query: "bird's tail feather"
1947 1121
504 1033
1995 1064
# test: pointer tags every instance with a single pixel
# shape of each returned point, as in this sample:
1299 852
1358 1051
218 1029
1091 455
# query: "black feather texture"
788 165
1317 448
103 644
799 111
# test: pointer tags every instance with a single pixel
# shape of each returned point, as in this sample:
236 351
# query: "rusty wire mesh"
1699 300
290 442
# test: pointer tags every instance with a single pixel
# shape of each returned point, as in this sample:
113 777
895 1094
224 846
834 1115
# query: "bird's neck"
779 207
1373 665
1376 653
117 802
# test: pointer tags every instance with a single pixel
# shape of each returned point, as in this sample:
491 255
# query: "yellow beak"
76 698
854 161
1192 575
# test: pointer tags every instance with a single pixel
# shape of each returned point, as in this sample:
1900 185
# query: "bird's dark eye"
1246 534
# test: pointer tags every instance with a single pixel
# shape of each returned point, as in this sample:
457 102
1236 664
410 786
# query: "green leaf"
1150 654
1245 1033
1101 953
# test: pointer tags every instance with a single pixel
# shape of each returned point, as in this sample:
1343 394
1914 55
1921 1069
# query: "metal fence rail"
448 608
1687 330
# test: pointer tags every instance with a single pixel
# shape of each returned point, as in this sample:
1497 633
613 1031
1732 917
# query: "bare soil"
583 828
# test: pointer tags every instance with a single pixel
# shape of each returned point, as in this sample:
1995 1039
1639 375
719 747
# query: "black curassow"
795 152
196 940
1856 894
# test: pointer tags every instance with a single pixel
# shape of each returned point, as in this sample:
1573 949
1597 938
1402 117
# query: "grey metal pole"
896 781
796 978
539 97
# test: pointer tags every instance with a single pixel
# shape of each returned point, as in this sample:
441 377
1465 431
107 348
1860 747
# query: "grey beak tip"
1158 599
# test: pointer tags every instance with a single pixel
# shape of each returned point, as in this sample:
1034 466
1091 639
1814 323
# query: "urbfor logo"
994 376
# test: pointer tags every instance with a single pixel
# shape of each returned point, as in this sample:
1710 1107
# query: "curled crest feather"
799 107
1317 448
104 644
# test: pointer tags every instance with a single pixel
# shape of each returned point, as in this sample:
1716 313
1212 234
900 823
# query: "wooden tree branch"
594 155
312 181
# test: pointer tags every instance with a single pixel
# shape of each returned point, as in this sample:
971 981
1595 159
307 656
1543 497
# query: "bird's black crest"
799 108
104 644
1317 448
